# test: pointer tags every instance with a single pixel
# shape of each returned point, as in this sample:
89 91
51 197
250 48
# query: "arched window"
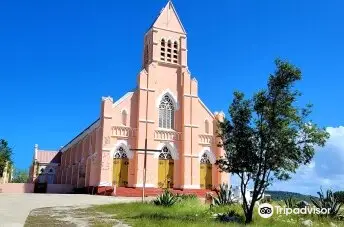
165 154
162 50
206 126
124 117
205 159
120 153
166 113
175 52
169 51
175 45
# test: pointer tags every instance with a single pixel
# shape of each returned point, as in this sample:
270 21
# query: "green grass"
192 212
187 212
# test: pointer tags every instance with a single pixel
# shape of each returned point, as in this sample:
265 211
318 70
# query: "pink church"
165 109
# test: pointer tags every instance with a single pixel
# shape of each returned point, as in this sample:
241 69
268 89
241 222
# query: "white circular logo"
265 210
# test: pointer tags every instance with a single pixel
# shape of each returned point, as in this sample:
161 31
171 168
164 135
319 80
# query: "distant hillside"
281 195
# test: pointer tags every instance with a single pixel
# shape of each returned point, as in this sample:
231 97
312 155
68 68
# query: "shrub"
165 199
327 201
339 196
230 216
223 196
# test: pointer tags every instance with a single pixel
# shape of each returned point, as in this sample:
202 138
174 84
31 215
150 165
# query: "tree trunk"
249 213
248 216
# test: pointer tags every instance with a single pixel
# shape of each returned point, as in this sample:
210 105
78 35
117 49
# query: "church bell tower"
165 41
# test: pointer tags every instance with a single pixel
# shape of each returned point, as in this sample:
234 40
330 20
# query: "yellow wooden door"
165 173
169 173
162 173
203 175
116 171
206 176
124 172
209 178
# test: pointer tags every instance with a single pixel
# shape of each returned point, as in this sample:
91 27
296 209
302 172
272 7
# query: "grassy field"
192 212
186 212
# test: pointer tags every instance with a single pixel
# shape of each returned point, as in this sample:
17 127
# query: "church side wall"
79 164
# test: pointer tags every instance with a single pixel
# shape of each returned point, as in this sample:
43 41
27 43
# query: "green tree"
268 137
5 156
20 176
339 195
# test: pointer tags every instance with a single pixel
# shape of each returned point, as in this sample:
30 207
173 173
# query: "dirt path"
14 208
70 216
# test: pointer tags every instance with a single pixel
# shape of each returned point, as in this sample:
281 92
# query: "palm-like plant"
223 196
165 199
328 201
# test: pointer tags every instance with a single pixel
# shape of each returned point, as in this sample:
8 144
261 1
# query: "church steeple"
165 41
168 19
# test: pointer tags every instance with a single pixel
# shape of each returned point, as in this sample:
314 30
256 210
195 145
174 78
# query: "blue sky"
57 59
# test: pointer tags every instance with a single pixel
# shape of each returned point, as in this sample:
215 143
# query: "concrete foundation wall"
29 188
17 188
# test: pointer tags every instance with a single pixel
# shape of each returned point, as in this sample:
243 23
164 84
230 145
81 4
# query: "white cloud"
326 170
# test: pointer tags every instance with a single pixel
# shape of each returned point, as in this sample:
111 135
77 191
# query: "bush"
223 196
20 176
166 199
230 216
339 196
327 201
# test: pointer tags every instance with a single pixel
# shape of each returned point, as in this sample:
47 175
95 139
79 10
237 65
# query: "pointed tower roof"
168 19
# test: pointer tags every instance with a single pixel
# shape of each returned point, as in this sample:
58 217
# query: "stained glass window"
120 153
166 113
165 154
205 159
